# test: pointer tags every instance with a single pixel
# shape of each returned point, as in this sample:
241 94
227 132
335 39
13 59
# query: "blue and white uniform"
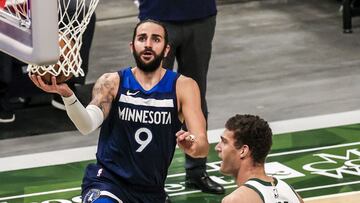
137 141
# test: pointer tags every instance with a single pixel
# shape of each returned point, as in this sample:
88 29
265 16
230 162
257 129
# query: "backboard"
29 30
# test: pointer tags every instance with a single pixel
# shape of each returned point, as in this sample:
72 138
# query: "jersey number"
143 143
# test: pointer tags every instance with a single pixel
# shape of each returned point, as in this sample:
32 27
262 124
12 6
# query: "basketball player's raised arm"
90 118
194 142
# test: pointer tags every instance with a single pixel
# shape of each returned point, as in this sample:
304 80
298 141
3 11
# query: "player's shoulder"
109 81
242 194
184 81
186 86
235 196
109 78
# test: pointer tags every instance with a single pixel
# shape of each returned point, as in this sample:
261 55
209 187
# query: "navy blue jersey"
137 140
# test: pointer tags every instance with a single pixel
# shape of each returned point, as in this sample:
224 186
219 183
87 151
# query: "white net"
74 16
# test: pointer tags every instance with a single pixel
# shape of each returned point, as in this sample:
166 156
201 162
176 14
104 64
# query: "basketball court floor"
318 156
285 60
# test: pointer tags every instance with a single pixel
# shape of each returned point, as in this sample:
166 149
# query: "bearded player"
140 110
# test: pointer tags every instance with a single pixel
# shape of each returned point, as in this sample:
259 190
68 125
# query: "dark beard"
151 66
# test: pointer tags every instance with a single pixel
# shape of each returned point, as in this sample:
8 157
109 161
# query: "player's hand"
185 141
61 89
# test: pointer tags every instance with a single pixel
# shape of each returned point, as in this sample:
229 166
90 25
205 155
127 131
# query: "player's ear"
131 46
167 49
244 151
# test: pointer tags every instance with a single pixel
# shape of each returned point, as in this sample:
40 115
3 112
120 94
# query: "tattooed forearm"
103 92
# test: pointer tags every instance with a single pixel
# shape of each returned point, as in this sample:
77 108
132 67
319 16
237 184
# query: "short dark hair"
166 37
252 131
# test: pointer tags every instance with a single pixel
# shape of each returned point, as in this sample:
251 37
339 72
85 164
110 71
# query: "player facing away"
140 111
243 148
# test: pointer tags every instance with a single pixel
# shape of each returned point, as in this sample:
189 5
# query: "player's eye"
223 140
141 38
156 39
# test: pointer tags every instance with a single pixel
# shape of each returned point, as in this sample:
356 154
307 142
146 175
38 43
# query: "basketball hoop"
17 12
74 16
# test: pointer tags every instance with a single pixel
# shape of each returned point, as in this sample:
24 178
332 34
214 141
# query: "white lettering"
138 116
335 166
145 116
157 117
151 118
122 114
131 114
168 120
127 113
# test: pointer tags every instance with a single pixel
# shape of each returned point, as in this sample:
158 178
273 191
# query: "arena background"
280 59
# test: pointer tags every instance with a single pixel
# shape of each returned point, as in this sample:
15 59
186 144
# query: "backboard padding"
37 44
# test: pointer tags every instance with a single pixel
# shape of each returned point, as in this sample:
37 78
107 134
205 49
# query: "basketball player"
141 111
243 148
191 26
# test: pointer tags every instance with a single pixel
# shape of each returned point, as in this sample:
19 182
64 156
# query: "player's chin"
223 170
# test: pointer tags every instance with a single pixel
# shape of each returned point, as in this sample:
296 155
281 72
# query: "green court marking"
335 169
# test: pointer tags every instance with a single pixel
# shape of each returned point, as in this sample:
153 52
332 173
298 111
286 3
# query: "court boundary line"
314 149
331 196
328 186
88 153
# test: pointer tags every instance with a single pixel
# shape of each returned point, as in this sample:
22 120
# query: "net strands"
74 16
16 11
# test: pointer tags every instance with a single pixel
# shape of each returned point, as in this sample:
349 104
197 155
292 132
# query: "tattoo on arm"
102 93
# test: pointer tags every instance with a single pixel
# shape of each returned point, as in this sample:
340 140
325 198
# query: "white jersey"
279 192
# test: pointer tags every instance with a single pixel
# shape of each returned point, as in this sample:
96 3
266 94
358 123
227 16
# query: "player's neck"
148 79
250 171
